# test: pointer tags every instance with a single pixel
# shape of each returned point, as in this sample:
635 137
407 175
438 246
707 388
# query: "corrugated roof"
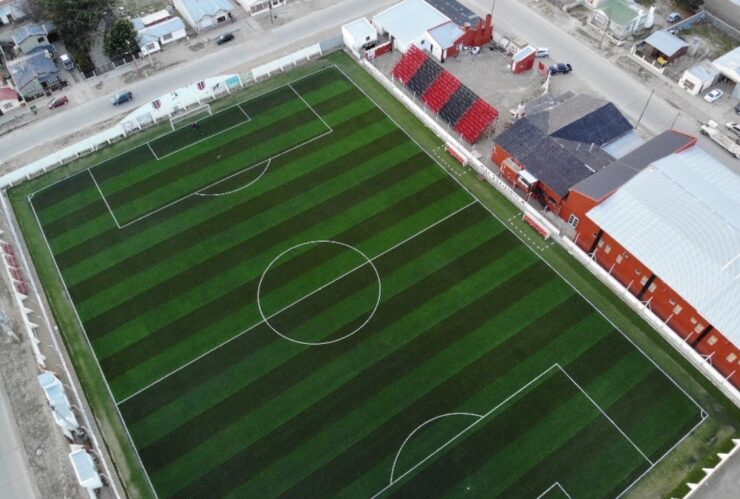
25 69
599 126
624 144
681 218
409 20
665 42
20 34
729 64
604 182
704 70
156 31
201 8
446 34
456 11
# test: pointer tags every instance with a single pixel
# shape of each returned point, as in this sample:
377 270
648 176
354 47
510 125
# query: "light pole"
644 108
606 28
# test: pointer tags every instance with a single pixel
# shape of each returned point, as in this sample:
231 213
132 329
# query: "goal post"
190 116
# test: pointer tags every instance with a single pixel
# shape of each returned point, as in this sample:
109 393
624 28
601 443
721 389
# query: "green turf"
463 319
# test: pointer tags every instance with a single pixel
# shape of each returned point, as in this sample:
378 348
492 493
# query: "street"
14 475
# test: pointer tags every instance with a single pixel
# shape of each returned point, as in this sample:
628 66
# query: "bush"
82 59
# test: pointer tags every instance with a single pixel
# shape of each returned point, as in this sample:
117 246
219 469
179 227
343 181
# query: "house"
623 17
10 100
444 40
559 142
670 235
698 77
358 35
11 11
259 7
595 188
158 29
662 46
33 37
204 14
729 65
33 74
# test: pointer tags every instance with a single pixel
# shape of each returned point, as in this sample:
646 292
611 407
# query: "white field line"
528 246
704 418
89 344
249 99
464 430
554 485
264 170
151 149
113 215
309 106
299 300
239 105
422 425
605 414
171 203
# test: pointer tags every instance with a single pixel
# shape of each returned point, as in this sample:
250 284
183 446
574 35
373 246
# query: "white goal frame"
184 115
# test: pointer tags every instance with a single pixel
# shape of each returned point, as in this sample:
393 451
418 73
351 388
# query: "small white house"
10 100
358 34
158 29
444 41
407 23
698 77
260 7
204 14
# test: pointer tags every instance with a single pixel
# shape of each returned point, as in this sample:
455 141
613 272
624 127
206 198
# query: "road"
602 76
235 57
14 479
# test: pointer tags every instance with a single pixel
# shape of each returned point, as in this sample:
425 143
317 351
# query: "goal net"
190 116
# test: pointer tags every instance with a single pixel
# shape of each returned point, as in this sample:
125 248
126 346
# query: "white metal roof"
446 34
360 30
57 399
409 20
680 216
729 64
85 471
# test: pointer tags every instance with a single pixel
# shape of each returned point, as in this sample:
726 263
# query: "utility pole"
606 28
644 108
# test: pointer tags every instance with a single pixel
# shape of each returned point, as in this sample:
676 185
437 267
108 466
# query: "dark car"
560 68
122 97
737 108
57 102
226 37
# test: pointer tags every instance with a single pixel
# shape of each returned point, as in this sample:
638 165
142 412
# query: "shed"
151 37
408 22
359 34
85 470
444 40
523 60
663 45
729 65
698 77
204 14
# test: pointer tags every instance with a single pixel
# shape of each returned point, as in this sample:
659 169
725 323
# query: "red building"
671 236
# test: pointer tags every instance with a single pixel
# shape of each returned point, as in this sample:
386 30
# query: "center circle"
365 262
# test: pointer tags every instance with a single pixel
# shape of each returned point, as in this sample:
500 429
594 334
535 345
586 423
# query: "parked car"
542 52
737 108
713 95
733 127
560 68
67 62
122 97
673 17
57 102
225 37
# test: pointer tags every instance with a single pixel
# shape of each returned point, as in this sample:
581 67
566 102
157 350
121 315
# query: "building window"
608 249
712 340
601 243
731 357
652 287
41 39
573 220
167 36
7 105
693 320
699 327
677 309
644 279
619 258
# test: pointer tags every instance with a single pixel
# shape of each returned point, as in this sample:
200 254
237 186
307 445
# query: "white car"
733 127
713 95
542 52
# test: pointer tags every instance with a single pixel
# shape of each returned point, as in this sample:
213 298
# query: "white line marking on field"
310 107
264 170
605 414
554 485
222 344
464 430
400 450
151 149
105 200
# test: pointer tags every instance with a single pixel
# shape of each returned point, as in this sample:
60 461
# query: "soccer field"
293 299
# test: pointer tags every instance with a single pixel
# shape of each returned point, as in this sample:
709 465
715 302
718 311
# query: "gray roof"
456 11
201 8
446 34
665 42
604 182
26 69
21 34
681 218
704 70
157 31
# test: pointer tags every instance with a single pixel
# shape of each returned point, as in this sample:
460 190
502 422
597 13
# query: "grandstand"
455 103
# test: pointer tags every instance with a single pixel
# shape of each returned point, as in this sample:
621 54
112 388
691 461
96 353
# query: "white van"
67 62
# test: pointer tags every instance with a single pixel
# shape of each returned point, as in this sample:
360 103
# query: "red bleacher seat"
479 117
409 64
440 92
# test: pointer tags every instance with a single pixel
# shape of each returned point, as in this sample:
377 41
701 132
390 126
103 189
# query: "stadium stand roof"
409 20
456 11
610 178
681 218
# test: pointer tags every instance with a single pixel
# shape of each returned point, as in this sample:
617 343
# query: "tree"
120 38
690 5
76 20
